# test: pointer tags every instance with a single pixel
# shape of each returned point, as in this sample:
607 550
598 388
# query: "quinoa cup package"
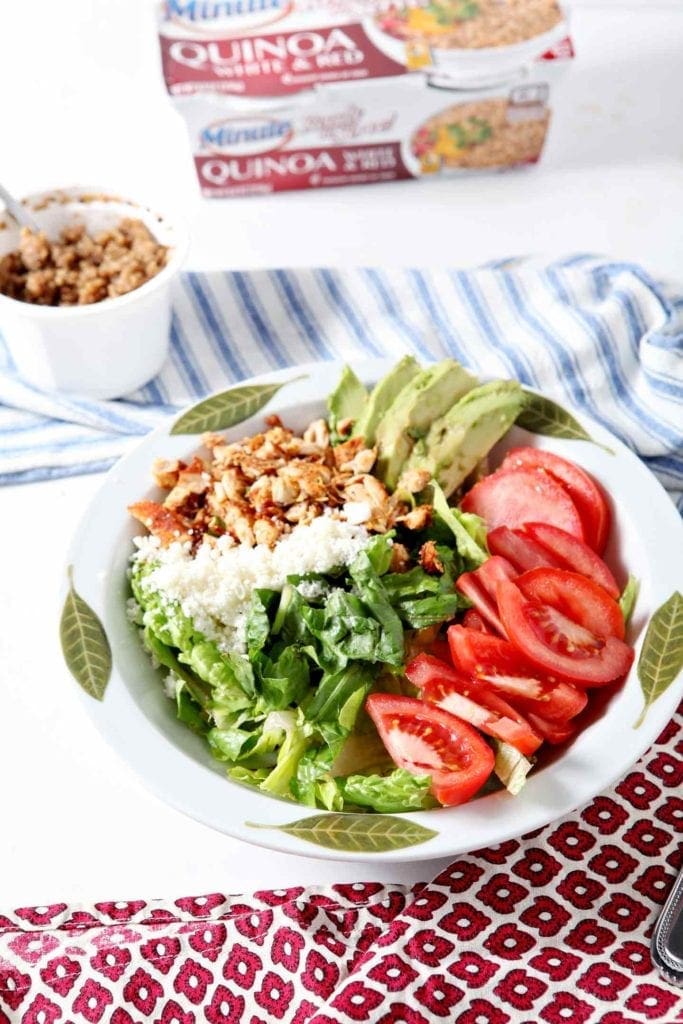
384 131
287 94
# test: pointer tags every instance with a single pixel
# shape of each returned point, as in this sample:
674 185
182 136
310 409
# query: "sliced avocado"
457 440
382 396
424 398
348 399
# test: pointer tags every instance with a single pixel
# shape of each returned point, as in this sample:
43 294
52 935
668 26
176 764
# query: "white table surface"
74 822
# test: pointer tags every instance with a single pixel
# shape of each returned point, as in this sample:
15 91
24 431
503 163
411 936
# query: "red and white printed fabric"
549 929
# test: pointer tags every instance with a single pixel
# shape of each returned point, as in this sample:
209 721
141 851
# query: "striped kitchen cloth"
602 336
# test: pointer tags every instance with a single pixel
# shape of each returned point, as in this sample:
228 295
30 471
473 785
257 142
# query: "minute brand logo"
230 16
246 136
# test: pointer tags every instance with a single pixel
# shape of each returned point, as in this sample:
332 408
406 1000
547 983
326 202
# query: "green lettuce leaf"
627 601
258 622
283 678
249 776
200 693
468 529
314 785
511 767
429 611
334 691
371 592
297 739
389 794
379 551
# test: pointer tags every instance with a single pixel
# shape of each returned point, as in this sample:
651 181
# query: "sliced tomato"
512 498
426 740
556 644
576 597
553 732
521 551
499 664
587 496
471 586
470 700
480 587
492 571
472 620
567 552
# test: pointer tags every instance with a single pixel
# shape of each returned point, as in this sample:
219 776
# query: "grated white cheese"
133 611
171 685
214 587
310 590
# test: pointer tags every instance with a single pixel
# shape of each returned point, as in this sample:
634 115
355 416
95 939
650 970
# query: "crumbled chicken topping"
429 559
257 489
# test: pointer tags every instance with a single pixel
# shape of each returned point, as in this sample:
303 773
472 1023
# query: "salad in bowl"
380 613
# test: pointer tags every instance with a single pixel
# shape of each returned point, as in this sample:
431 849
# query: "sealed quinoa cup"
253 48
85 302
375 132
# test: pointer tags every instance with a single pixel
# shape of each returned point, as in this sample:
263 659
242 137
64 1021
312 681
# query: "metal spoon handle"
666 947
17 211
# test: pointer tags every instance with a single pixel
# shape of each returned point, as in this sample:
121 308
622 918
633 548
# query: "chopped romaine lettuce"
510 766
297 738
314 784
627 601
468 529
399 791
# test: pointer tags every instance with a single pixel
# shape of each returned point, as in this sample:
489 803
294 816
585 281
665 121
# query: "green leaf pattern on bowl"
357 833
541 415
84 643
661 657
227 408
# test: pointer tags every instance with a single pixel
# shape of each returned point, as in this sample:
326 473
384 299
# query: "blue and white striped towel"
602 336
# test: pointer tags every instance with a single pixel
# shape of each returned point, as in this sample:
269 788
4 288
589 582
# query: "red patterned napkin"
552 928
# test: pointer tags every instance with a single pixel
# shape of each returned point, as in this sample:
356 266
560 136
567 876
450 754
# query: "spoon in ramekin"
17 211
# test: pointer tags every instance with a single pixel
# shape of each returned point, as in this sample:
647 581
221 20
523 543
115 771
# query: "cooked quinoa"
79 269
471 24
481 134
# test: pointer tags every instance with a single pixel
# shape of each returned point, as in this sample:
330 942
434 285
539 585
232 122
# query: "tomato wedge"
556 644
425 740
492 571
567 552
480 587
512 498
485 605
553 732
576 597
522 551
467 698
588 498
499 664
472 620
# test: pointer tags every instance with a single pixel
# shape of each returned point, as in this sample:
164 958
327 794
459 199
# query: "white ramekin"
106 349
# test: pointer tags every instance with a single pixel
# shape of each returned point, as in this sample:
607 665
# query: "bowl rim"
75 193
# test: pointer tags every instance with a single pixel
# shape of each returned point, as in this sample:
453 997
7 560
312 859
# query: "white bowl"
136 718
106 349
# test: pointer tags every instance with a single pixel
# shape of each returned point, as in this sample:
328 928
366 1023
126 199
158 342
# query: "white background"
83 103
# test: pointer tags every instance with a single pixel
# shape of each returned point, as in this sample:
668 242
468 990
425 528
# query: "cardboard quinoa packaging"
289 94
